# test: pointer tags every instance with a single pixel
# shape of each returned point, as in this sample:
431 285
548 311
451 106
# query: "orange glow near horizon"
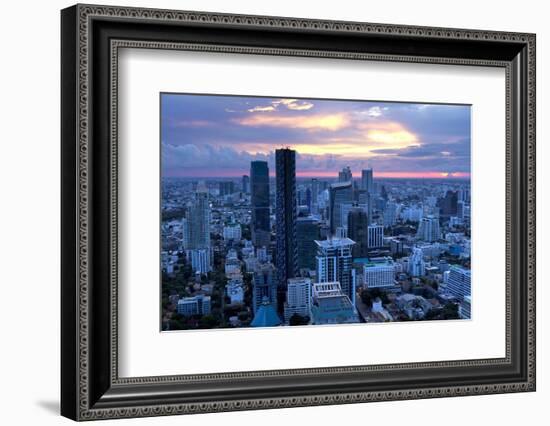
390 133
362 143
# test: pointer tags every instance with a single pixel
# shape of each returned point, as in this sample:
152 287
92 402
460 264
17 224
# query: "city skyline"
211 135
256 238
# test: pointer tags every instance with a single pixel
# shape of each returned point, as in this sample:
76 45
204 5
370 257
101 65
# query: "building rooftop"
266 316
335 242
339 185
377 261
327 289
298 280
461 270
334 309
375 264
193 299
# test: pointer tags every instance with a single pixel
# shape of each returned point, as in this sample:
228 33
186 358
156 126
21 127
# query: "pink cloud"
332 122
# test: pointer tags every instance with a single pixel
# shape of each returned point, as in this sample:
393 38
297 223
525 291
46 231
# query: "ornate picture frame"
91 37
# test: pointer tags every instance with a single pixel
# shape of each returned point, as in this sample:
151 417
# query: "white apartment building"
379 273
298 298
201 260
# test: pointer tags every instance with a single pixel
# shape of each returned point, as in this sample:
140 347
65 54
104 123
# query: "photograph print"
283 211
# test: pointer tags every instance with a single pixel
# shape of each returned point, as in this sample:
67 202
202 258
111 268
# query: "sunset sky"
218 136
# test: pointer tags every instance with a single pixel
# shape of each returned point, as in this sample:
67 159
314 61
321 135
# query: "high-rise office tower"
300 196
345 175
366 193
245 184
335 263
314 195
465 308
339 193
184 233
463 210
459 282
428 229
397 246
448 204
198 217
390 213
198 231
358 227
307 231
375 236
259 190
308 199
384 193
345 208
417 267
286 216
464 195
366 180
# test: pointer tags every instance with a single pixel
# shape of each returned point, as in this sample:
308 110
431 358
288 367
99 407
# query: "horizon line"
380 175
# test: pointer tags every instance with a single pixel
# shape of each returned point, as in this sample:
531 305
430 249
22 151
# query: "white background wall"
29 215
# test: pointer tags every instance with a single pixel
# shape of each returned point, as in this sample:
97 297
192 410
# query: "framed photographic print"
263 212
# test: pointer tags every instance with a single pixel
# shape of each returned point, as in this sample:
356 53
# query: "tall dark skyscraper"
366 180
307 231
198 217
314 195
308 199
358 228
286 216
367 189
245 184
197 231
259 190
339 193
449 203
